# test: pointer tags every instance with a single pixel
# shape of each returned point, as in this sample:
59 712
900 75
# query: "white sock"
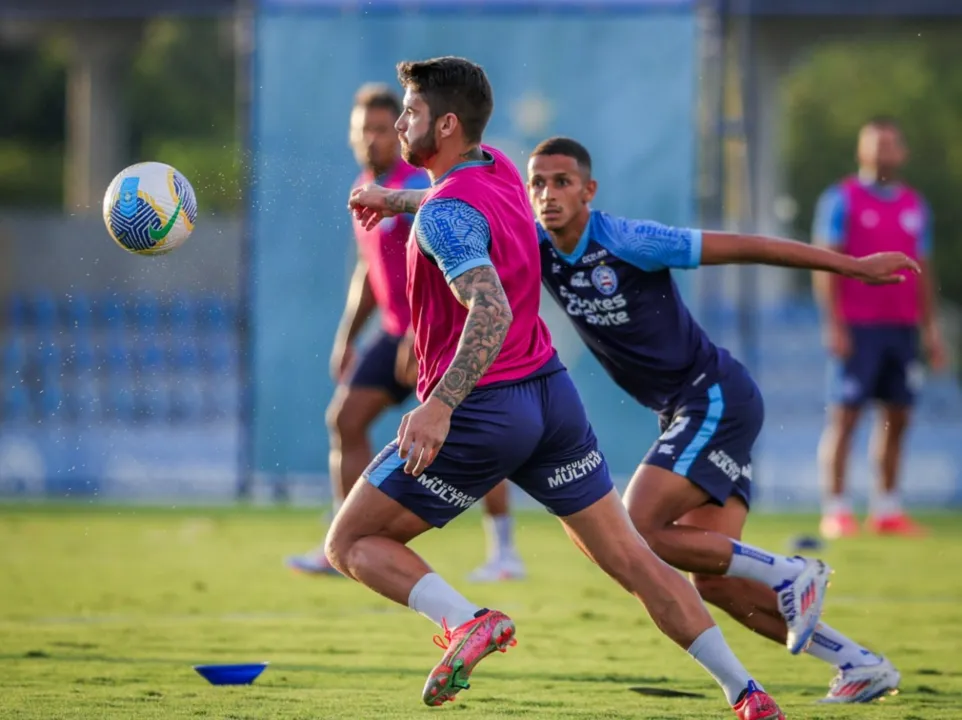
500 532
712 652
836 649
437 601
835 505
886 504
769 568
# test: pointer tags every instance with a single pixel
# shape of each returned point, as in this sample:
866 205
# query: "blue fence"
621 76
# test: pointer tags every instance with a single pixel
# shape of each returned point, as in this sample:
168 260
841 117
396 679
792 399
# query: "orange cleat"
899 524
466 646
757 705
838 525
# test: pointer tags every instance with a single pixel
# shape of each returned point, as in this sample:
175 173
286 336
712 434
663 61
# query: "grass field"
103 612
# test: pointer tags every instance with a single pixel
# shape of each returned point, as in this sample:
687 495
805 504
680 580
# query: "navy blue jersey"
617 289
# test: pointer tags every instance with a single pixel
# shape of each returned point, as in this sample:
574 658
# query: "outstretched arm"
652 246
372 203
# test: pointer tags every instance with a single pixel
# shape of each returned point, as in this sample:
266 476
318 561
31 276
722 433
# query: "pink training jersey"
880 224
494 188
382 249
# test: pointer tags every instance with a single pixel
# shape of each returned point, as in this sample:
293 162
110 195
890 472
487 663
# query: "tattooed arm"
372 203
485 328
457 238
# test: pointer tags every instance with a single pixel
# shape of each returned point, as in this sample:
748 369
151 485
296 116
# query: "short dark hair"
883 122
567 147
377 96
452 85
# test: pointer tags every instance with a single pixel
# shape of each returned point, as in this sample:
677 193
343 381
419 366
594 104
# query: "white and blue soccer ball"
150 209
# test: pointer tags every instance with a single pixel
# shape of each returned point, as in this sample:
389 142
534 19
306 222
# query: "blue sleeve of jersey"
830 217
455 235
652 246
925 233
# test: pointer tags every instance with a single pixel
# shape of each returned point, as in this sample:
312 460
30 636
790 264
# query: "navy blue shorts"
709 436
375 367
534 432
884 365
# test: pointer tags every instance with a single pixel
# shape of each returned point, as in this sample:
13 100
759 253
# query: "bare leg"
503 561
833 453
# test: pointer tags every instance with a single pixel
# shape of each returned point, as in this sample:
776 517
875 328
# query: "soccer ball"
150 209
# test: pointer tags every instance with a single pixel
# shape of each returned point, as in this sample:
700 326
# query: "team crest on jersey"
911 221
605 280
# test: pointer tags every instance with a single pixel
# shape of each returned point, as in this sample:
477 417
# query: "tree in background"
181 104
916 79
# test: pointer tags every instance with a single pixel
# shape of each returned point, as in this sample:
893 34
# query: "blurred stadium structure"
203 374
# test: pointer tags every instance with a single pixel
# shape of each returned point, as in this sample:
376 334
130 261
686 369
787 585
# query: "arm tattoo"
489 317
404 201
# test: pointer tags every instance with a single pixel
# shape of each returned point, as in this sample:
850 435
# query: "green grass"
103 611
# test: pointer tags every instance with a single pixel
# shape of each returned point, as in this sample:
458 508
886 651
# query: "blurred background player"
373 379
383 373
873 332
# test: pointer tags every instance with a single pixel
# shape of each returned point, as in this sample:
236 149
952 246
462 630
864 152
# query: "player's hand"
838 340
934 347
421 435
886 268
342 360
369 205
406 363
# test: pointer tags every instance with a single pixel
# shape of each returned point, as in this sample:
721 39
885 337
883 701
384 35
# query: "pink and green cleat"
466 646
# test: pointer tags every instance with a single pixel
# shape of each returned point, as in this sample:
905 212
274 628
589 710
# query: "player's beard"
419 152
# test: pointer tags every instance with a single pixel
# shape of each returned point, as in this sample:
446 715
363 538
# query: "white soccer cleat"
864 683
800 603
498 570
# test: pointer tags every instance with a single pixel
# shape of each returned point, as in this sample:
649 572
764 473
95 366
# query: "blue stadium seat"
117 355
184 355
147 311
48 355
81 358
151 357
84 401
16 403
44 310
224 398
78 310
187 395
14 355
118 400
50 400
216 312
155 403
182 313
112 311
220 355
17 311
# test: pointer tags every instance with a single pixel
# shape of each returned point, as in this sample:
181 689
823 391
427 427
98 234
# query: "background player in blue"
690 496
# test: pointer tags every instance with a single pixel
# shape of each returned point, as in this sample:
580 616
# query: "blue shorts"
376 367
708 437
534 432
884 365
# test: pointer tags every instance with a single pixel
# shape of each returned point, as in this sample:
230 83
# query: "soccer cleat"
800 603
757 705
900 524
499 569
466 646
864 683
312 564
838 525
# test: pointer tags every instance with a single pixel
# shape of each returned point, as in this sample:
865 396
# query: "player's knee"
337 545
344 423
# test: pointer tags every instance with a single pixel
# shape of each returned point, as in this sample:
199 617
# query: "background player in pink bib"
369 380
873 332
496 403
